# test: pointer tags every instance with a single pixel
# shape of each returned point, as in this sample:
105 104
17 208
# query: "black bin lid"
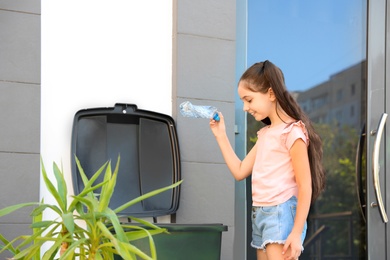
148 146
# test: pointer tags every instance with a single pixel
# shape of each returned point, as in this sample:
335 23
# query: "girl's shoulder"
297 126
296 130
294 125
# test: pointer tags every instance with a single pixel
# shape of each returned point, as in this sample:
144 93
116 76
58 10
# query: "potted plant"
85 227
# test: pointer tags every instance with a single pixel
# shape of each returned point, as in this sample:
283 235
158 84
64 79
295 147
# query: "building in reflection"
340 100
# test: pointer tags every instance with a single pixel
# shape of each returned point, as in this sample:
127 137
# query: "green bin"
186 241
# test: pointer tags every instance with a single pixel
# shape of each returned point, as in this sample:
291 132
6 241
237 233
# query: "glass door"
332 54
378 184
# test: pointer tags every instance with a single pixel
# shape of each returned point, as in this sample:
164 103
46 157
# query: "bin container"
149 149
185 241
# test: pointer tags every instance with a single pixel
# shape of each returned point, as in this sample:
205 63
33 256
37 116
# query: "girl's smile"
259 105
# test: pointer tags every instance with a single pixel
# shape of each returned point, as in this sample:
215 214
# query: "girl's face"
259 105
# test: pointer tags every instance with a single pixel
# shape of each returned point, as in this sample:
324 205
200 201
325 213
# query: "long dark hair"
264 75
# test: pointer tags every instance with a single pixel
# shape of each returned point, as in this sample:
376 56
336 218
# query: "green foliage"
340 196
339 146
253 127
85 226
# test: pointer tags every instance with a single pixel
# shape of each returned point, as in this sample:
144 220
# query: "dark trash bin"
148 145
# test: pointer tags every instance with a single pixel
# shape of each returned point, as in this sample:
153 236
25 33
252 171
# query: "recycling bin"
148 146
185 241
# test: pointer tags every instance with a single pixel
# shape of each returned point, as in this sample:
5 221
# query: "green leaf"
86 190
34 253
128 251
108 253
79 207
145 196
131 248
37 217
61 184
43 224
8 245
107 189
69 253
22 254
90 203
68 222
88 183
34 237
138 232
98 256
152 246
38 210
51 233
83 193
50 187
116 243
9 209
120 234
145 223
52 251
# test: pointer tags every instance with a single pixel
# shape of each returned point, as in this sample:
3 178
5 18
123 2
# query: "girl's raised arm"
239 169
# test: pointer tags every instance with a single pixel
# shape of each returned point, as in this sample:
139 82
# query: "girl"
285 163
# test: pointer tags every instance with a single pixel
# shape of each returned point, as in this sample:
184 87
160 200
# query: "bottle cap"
216 117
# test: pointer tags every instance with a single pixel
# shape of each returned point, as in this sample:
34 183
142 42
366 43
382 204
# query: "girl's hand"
218 128
293 243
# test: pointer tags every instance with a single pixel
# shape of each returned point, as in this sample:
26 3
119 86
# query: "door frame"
377 32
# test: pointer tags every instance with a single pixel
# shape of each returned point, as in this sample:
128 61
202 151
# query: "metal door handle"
358 169
375 167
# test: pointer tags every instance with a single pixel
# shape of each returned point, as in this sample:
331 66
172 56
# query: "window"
353 90
339 96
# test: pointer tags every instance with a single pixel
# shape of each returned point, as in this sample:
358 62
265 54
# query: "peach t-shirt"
273 179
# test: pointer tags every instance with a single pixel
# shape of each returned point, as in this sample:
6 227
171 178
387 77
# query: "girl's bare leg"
261 255
274 252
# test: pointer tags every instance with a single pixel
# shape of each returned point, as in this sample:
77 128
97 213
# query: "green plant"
86 227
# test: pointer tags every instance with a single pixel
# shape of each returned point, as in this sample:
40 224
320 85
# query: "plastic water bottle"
189 110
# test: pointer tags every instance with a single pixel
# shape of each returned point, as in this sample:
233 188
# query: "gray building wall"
340 100
20 81
204 66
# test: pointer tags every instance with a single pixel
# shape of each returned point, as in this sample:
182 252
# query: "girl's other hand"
218 128
293 243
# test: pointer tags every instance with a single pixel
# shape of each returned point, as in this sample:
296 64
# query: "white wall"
96 54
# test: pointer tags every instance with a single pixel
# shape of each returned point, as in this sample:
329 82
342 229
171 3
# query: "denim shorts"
273 224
